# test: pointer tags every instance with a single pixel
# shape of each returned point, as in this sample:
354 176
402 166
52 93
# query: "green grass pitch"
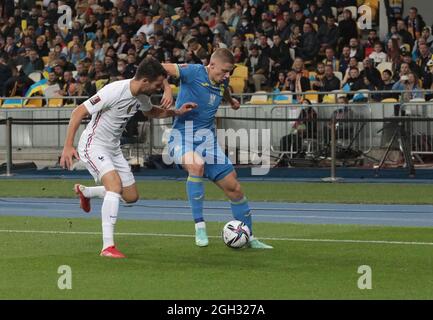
164 263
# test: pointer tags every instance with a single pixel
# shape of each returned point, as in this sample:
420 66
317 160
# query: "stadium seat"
312 95
34 103
339 75
259 97
285 97
329 98
334 11
45 59
100 83
384 66
55 103
237 84
389 100
175 17
240 71
354 11
12 102
250 36
174 89
35 76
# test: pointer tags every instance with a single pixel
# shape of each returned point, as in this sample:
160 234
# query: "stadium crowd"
287 45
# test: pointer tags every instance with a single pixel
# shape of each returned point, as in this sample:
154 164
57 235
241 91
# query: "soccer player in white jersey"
99 145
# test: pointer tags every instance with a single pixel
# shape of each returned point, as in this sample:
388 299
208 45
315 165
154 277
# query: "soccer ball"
236 234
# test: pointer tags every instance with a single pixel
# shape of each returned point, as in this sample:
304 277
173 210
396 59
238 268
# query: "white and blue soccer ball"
236 234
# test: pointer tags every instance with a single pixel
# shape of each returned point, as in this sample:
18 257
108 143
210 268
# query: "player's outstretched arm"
156 112
167 97
171 69
69 151
233 102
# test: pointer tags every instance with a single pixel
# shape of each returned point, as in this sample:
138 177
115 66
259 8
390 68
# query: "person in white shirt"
378 56
148 28
99 145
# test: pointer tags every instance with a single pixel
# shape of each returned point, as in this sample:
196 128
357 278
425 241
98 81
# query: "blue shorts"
217 165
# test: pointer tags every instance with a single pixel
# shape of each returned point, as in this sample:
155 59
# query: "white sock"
93 192
109 210
201 225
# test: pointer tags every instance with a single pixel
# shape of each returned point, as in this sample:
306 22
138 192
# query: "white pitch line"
169 235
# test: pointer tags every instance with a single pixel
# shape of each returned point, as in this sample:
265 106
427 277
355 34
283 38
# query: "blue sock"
241 211
195 190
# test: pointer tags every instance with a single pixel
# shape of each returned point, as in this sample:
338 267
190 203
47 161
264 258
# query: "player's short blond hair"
224 55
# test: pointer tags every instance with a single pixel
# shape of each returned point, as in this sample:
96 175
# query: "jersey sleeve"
98 102
187 72
145 104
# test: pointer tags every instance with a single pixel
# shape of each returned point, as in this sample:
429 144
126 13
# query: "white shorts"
99 161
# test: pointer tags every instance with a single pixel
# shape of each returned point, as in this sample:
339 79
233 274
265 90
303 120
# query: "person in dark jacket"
309 45
347 29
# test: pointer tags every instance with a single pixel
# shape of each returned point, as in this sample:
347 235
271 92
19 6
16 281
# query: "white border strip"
169 235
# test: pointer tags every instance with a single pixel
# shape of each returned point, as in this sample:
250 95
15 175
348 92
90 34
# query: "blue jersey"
195 86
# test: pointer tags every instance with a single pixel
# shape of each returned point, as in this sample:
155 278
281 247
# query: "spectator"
296 83
258 68
328 34
197 49
347 29
356 49
279 58
264 47
344 59
409 83
387 84
148 28
423 60
34 63
406 36
317 80
5 74
415 23
228 12
371 73
77 54
330 81
281 80
354 82
330 59
378 56
309 45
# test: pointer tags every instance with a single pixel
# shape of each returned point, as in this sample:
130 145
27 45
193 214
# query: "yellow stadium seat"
312 95
45 59
240 71
285 97
259 97
100 83
34 103
329 98
88 46
174 89
249 36
389 100
237 84
55 103
175 17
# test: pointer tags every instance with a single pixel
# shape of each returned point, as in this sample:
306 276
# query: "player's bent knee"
131 199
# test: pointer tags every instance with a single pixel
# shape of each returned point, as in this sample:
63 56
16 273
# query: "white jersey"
111 107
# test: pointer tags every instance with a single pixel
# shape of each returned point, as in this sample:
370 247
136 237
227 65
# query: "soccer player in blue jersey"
206 86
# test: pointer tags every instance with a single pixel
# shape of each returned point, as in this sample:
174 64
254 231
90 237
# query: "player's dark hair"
224 55
150 68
